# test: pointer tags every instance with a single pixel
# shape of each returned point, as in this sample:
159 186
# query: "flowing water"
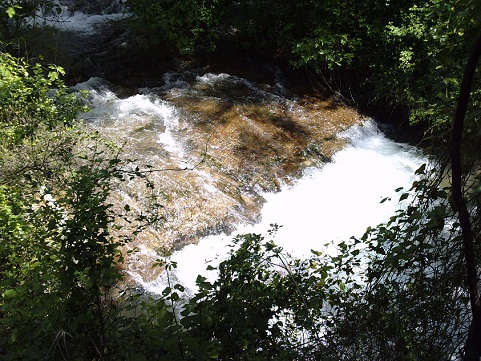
227 155
231 156
70 16
331 203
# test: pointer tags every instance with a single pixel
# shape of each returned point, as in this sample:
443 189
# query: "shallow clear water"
227 143
253 158
332 203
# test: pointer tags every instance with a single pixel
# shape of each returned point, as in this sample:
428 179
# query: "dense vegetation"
406 290
410 52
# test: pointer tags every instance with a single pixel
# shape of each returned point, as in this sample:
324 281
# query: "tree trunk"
472 351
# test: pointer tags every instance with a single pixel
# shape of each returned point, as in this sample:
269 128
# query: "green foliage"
15 16
430 47
61 236
412 304
33 96
56 248
397 293
171 25
63 267
265 305
410 53
249 284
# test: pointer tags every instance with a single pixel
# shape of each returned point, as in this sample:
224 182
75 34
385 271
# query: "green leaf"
200 279
11 11
52 75
166 291
179 287
10 293
421 170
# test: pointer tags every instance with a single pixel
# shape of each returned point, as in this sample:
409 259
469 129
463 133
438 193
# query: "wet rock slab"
242 127
229 141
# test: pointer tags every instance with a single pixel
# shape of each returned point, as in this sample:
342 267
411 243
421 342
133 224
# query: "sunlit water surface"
332 203
244 156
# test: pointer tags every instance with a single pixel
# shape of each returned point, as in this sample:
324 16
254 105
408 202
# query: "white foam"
333 203
110 111
343 198
223 79
330 204
77 21
210 78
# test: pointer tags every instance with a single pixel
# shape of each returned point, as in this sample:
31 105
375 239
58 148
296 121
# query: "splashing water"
255 157
330 204
75 21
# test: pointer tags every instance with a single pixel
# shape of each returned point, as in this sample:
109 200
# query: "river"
235 156
327 205
215 187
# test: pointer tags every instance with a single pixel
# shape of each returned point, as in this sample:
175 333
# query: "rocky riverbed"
220 129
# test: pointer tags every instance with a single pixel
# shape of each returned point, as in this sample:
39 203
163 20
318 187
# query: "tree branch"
473 343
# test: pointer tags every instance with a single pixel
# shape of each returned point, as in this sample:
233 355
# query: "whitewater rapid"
332 203
64 19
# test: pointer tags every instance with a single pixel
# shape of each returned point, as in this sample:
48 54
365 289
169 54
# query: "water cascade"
241 156
234 156
325 206
85 18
